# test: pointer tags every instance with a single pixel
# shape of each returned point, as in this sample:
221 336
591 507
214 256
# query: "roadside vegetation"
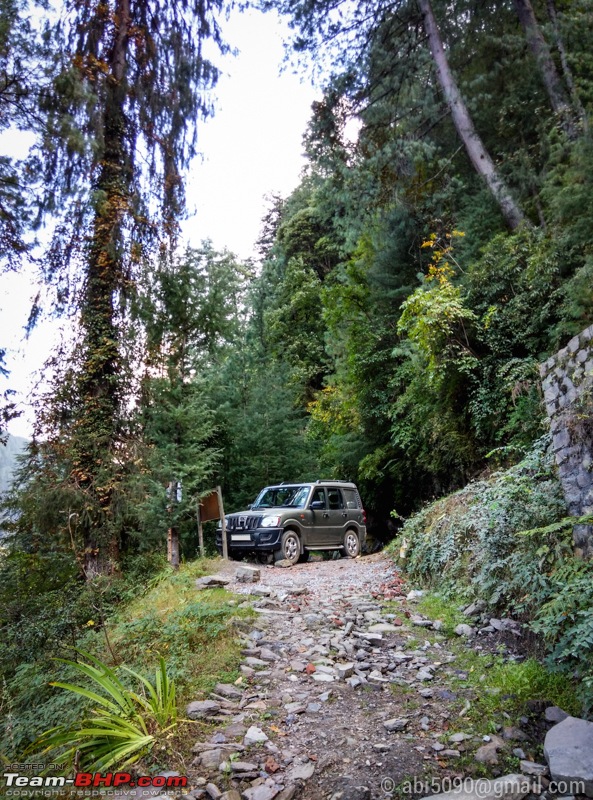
505 540
162 616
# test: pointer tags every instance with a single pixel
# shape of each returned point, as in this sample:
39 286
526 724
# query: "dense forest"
436 250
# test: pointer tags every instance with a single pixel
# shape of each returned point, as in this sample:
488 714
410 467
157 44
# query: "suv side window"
319 496
350 498
335 499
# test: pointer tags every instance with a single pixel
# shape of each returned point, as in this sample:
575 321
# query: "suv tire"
351 544
290 549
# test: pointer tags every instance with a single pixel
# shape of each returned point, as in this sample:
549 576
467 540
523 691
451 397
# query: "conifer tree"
190 308
130 84
350 32
479 156
557 92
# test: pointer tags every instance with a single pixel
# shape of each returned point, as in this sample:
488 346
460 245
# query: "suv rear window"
334 497
350 498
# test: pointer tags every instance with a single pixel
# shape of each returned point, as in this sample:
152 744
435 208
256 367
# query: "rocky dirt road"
345 693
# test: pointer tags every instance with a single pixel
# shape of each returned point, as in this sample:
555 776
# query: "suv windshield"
282 497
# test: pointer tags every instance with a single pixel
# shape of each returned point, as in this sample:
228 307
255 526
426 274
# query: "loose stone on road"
342 695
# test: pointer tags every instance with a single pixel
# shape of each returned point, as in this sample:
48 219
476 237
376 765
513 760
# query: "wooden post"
225 547
173 534
200 533
173 547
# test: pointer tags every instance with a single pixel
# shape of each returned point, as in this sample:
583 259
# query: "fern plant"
123 725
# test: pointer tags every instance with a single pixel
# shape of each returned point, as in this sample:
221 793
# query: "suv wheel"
290 549
351 544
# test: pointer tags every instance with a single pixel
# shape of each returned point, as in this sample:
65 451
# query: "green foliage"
264 441
123 725
496 677
472 541
432 320
565 620
443 607
180 434
194 633
470 382
435 317
46 605
294 326
480 543
124 95
133 621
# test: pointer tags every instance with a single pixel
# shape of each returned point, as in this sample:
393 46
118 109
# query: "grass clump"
503 685
190 628
446 609
122 726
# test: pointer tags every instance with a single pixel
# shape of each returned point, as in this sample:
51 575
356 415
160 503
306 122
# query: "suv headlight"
270 522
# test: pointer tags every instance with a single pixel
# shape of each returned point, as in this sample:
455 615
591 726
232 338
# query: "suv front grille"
243 522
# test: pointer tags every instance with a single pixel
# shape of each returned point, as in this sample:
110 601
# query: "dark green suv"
291 519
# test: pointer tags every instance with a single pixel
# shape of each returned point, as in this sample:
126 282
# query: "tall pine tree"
130 84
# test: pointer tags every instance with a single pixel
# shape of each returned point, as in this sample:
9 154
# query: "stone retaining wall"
567 382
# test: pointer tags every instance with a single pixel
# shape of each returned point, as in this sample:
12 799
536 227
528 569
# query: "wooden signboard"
210 507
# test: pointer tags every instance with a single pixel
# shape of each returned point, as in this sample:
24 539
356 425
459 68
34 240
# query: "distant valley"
8 454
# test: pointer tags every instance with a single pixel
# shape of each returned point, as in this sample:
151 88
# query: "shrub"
472 542
506 540
123 725
566 622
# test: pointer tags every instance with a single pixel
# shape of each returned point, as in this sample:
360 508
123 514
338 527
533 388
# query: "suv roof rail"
331 480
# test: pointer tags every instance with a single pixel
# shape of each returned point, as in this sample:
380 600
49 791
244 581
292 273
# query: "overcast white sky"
251 147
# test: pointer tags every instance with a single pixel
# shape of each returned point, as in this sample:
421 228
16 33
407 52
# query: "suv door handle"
325 514
344 514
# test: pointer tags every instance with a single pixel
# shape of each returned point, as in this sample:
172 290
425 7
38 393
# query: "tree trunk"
99 382
566 71
557 94
474 146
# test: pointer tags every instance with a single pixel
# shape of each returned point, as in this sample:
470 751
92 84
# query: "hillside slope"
506 541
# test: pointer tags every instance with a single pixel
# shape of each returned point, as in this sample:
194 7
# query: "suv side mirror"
317 505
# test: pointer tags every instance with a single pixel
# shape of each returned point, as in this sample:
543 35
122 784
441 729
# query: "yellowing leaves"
435 316
440 269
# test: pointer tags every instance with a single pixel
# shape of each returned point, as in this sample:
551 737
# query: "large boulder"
568 749
212 581
247 575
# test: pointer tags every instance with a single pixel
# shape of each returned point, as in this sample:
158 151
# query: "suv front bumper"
260 540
